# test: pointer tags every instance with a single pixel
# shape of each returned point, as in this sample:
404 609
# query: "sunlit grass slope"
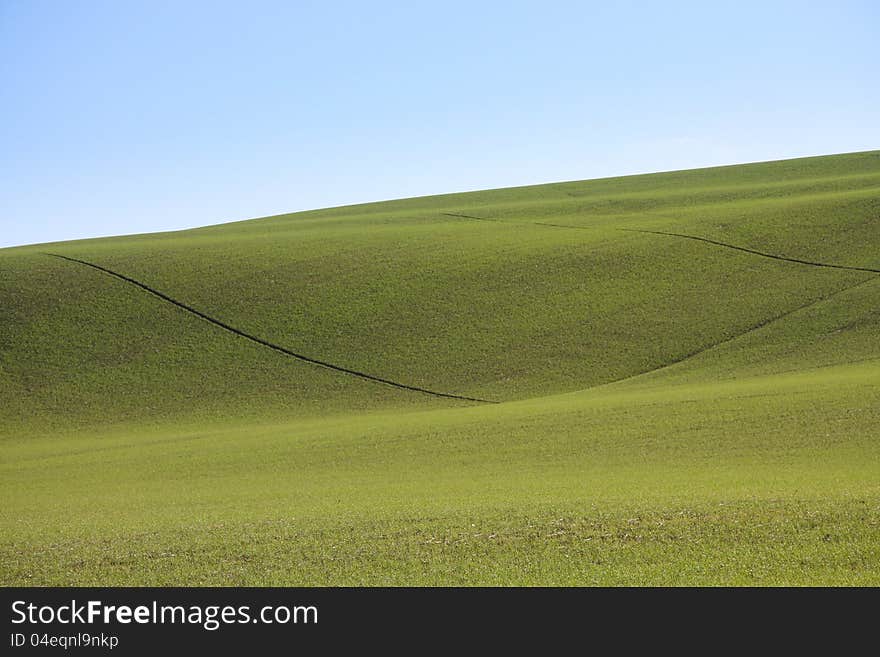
670 409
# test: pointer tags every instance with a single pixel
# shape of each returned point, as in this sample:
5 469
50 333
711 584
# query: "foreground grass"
755 542
769 480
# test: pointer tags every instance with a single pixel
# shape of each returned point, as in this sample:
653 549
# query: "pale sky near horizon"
128 117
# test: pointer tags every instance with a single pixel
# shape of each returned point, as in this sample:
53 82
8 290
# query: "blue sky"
122 117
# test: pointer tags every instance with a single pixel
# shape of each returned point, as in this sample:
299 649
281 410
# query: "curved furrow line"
545 223
752 251
744 332
468 216
266 343
687 237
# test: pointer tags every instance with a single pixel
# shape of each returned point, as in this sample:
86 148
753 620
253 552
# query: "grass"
671 412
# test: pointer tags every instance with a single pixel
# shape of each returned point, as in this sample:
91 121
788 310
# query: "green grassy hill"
658 379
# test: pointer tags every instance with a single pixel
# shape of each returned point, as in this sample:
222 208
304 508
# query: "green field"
656 409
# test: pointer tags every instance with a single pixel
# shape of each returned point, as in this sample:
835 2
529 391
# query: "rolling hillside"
661 379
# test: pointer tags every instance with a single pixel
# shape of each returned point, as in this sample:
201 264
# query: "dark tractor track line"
515 223
746 331
752 251
744 249
751 329
468 216
266 343
544 223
